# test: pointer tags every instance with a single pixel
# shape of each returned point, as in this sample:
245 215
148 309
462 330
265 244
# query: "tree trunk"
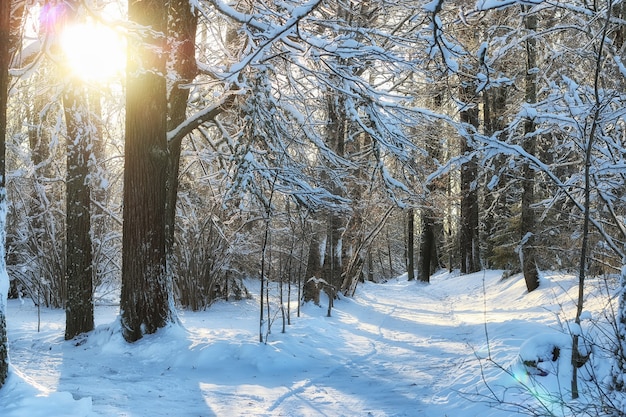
469 244
145 303
427 245
78 266
527 224
5 60
410 245
183 23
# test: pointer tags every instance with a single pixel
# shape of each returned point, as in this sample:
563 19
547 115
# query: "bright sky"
92 50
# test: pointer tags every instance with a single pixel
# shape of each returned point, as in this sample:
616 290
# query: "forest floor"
448 348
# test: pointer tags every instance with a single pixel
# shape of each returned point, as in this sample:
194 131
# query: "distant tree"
410 244
454 47
498 238
469 222
350 145
431 208
145 301
336 135
428 248
527 223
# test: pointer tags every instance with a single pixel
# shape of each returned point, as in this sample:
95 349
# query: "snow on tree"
326 113
5 57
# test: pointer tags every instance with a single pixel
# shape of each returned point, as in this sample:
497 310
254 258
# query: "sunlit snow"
396 349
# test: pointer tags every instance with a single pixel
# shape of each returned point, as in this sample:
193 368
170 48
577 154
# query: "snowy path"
398 349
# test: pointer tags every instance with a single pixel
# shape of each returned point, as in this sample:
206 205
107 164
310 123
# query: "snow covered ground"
395 349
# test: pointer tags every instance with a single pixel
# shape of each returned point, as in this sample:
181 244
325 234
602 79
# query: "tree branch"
203 116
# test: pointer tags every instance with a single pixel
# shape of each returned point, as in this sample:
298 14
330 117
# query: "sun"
93 51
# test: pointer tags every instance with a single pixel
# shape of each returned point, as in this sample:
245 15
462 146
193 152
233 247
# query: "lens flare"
93 51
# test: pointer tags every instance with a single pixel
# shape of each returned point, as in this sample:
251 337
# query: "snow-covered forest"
163 160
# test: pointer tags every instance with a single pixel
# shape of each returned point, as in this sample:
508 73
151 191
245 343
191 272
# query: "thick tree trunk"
145 304
79 270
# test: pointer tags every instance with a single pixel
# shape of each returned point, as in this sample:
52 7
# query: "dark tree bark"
469 244
5 60
183 23
428 249
78 254
410 245
527 224
145 300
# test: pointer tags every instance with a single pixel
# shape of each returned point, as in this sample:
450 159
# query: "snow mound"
23 397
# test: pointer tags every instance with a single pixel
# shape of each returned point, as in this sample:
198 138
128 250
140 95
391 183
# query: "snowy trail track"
395 349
